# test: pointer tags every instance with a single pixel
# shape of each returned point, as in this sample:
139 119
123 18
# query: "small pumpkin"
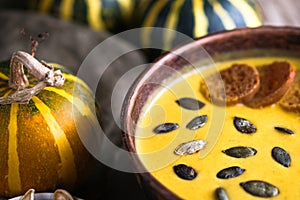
197 18
40 144
194 18
111 15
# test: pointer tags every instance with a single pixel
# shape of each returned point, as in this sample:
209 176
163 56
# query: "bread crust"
291 100
233 85
275 80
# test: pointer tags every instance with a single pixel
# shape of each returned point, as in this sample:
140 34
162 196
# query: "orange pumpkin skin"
40 146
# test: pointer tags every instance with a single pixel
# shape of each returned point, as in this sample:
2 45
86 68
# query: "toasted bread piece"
233 85
291 100
275 79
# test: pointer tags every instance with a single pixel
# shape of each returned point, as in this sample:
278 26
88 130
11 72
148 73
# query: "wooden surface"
281 12
121 185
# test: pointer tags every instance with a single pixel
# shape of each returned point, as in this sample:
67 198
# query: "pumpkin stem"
18 80
35 42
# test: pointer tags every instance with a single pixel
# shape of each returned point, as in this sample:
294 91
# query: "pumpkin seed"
244 125
281 156
185 172
240 151
284 130
165 128
221 194
190 103
260 188
230 172
197 122
190 147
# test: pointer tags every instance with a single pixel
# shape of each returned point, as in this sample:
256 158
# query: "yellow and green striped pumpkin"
197 18
194 18
39 144
111 15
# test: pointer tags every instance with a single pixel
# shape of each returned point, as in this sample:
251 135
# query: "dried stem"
35 42
18 81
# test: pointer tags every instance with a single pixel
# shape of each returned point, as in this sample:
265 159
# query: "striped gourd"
111 15
194 18
40 146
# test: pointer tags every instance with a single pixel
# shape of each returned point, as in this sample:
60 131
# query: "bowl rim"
41 196
127 107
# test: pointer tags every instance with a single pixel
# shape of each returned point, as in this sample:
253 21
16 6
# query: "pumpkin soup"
200 150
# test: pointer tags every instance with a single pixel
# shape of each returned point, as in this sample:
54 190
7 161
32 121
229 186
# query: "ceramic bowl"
41 196
237 43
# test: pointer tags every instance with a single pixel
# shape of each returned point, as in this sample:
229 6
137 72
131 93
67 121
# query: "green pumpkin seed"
185 172
190 147
197 122
284 130
260 188
240 152
281 156
165 128
190 103
221 194
244 125
230 172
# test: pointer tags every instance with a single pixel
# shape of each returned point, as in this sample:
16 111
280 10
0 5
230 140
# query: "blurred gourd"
40 143
110 15
197 18
194 18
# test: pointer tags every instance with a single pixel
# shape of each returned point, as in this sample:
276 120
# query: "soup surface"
156 150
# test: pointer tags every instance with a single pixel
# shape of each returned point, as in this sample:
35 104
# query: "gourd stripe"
65 10
80 11
149 22
201 22
8 92
234 13
223 14
76 80
56 65
144 8
55 7
3 88
214 21
171 22
67 172
79 105
161 18
45 5
13 177
93 14
182 26
246 10
125 8
4 77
